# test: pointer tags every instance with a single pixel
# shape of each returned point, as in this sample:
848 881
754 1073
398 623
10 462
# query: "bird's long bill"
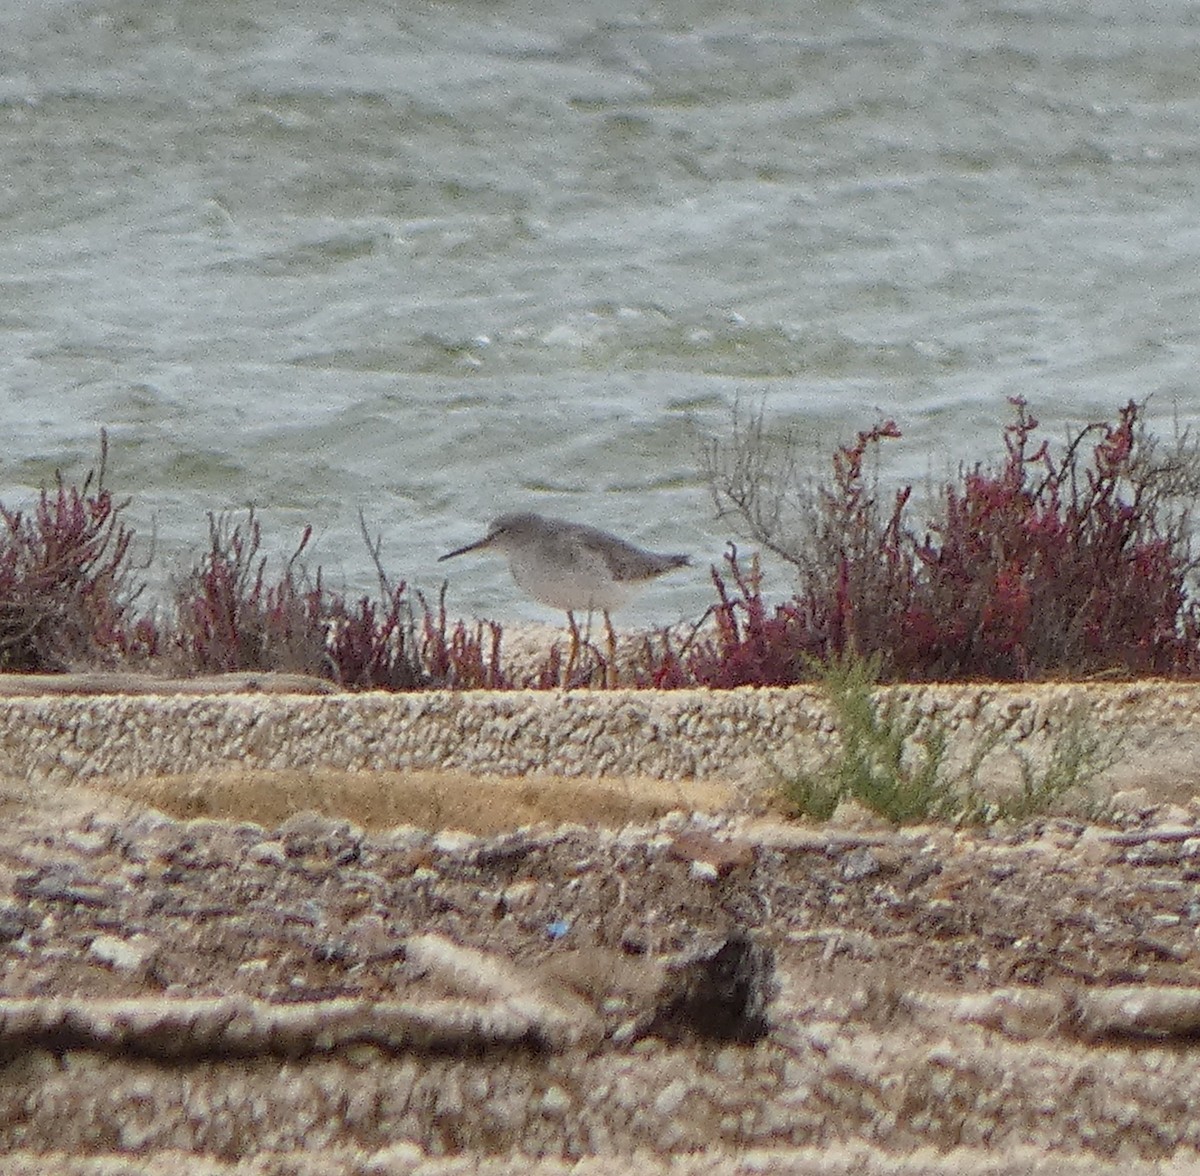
469 547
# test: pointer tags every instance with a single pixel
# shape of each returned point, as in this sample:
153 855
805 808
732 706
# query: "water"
439 261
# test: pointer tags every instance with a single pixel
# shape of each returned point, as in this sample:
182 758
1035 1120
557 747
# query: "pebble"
671 1097
122 955
859 864
555 1102
519 893
268 853
86 844
453 841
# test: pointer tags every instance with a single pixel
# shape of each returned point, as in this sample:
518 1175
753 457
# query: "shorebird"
572 566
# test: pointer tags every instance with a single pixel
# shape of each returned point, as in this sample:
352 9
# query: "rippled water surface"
438 261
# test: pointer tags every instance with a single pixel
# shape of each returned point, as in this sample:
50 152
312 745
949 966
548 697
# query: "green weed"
894 760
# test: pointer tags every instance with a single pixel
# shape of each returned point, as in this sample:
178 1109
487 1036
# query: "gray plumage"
570 565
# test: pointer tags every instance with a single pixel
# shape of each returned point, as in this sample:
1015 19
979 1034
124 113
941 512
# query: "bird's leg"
573 656
611 673
594 656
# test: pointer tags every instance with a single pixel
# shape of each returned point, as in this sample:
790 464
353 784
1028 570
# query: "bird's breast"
575 585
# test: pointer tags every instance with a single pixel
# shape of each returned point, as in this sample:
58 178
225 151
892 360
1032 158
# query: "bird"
572 566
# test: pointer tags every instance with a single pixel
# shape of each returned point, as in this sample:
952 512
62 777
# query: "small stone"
54 888
453 840
123 955
671 1097
267 853
730 1063
858 864
13 922
87 844
519 893
555 1102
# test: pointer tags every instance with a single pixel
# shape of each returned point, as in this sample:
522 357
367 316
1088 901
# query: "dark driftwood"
1147 1011
28 685
719 993
1145 836
240 1026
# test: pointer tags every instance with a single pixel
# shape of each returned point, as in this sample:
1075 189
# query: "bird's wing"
624 561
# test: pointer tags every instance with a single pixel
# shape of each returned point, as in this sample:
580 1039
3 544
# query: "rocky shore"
278 932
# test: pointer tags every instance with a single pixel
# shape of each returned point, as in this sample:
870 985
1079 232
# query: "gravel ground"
693 992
